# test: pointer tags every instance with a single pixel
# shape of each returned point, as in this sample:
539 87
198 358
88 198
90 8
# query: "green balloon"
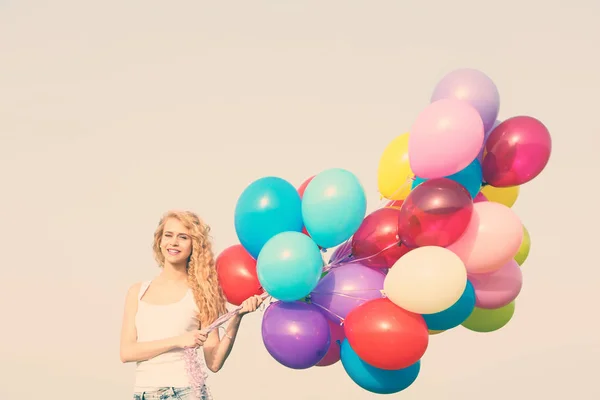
523 252
484 320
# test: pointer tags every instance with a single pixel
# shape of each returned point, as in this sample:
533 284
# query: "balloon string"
330 312
344 295
355 260
226 317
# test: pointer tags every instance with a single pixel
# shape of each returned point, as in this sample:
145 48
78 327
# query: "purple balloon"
296 334
346 287
474 87
341 252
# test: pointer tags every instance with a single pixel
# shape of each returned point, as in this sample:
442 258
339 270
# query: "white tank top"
157 322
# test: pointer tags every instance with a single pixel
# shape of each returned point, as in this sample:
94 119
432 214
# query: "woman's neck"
172 272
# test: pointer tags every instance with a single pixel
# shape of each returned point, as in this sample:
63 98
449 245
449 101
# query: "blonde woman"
164 316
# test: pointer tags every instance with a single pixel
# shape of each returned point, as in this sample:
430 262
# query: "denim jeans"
172 393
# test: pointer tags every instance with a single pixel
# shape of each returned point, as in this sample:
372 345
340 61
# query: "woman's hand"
250 304
193 338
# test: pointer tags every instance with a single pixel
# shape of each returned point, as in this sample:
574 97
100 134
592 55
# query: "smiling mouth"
173 252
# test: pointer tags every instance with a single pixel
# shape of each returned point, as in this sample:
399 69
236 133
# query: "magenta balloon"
517 151
295 334
435 213
479 198
346 287
474 87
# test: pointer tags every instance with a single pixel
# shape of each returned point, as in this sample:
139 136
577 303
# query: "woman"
164 316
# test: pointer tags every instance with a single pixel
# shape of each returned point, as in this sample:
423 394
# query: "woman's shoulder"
134 289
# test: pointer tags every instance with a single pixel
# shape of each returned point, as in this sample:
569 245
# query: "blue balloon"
374 379
334 205
470 177
268 206
455 315
289 266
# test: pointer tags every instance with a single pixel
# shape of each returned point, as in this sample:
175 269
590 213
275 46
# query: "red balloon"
236 271
395 204
337 337
386 336
302 187
435 213
516 151
301 190
377 239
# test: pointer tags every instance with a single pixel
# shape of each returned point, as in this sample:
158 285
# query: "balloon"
378 239
444 139
435 213
341 253
427 280
303 186
505 195
485 138
470 177
433 332
491 240
473 87
236 271
301 190
482 320
497 289
333 206
333 354
455 315
523 252
346 287
394 173
376 380
516 152
479 198
295 334
289 266
268 206
385 335
397 204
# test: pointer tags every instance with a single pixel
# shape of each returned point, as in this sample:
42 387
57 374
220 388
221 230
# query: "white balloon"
426 280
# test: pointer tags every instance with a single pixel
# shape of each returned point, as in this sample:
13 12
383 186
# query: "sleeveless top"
157 322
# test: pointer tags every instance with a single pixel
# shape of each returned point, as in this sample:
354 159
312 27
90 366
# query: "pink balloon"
491 239
499 288
445 138
337 337
479 198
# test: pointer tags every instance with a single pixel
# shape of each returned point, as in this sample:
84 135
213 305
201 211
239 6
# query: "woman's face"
176 242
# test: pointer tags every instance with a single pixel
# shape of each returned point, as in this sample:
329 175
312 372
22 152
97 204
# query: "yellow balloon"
504 195
523 252
394 173
432 332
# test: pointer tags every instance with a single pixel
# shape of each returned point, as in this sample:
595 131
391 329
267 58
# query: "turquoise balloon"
455 315
334 205
289 266
268 206
375 380
470 177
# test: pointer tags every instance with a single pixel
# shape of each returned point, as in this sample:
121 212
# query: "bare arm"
132 350
217 350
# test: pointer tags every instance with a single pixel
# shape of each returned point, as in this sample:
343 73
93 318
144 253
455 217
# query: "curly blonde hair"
201 271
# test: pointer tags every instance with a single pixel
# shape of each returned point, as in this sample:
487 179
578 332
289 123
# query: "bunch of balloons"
444 251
